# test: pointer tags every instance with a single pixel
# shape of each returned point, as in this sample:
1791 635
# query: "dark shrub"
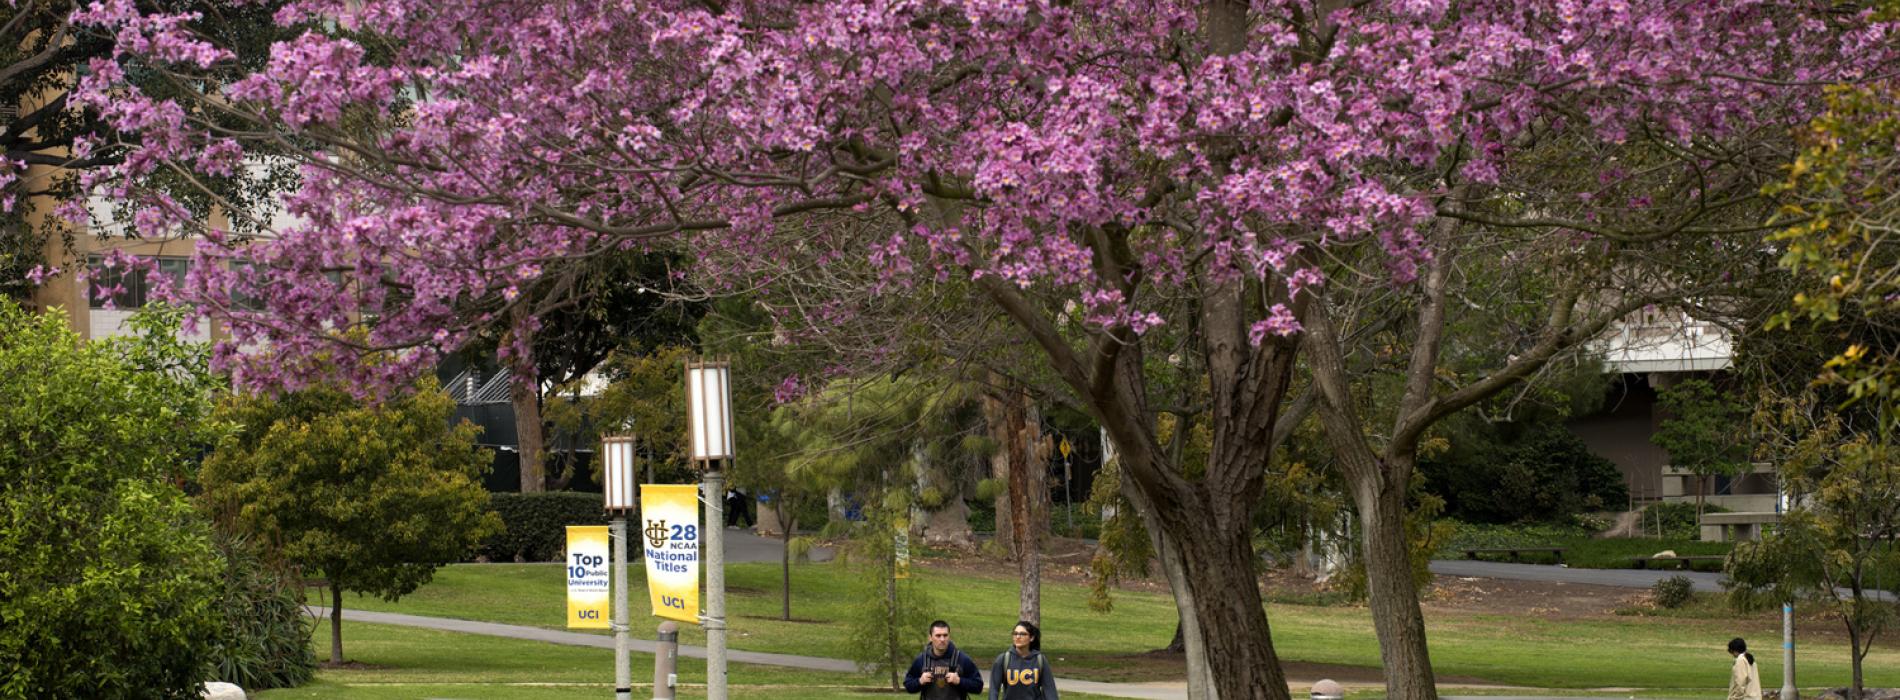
536 523
1543 474
1674 591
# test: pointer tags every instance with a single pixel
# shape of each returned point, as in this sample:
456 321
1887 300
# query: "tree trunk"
1228 617
1179 643
525 395
1393 593
1857 688
1022 509
336 624
785 526
890 626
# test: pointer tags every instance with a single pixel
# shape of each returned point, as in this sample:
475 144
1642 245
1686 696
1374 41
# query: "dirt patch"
1551 601
1064 560
795 620
350 666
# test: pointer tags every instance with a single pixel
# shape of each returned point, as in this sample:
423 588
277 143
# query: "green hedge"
536 523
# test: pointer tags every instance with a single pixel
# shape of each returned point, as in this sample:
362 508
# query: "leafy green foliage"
1673 592
1544 473
888 623
1699 434
1838 204
646 398
109 584
535 524
266 638
374 498
1676 521
1838 543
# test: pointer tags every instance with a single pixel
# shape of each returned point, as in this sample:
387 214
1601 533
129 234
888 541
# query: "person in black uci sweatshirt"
1022 672
942 672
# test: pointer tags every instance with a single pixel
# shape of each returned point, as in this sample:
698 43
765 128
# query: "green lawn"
409 663
1522 650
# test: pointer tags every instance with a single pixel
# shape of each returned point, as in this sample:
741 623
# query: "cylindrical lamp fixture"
620 479
709 409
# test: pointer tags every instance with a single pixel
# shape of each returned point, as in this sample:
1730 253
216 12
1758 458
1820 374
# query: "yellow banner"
587 582
669 534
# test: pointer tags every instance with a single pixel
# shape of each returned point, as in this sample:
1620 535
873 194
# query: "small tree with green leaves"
374 498
109 585
875 438
1836 545
1699 433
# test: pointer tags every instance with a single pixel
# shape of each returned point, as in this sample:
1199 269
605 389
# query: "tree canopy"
1120 181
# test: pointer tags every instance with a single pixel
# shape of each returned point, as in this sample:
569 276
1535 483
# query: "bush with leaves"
266 639
108 581
1543 473
1673 592
534 525
374 498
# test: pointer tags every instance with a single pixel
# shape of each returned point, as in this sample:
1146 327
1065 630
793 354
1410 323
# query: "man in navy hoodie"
942 672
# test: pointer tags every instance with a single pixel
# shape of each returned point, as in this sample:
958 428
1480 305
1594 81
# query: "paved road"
743 546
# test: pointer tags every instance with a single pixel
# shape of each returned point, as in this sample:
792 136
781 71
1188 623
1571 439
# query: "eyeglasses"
1019 634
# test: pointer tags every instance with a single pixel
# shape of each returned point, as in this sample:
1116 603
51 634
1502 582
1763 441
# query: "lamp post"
617 458
709 422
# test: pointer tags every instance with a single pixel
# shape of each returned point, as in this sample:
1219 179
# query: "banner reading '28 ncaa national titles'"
669 518
587 582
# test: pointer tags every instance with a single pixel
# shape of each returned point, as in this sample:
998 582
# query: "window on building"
130 289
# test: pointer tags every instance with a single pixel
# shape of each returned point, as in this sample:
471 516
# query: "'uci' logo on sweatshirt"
1027 676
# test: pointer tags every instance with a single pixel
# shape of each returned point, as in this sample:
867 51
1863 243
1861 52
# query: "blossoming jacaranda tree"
1105 173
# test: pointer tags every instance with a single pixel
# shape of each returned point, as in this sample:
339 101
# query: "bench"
1473 552
1685 562
1728 527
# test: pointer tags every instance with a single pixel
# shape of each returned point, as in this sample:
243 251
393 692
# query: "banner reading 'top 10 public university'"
587 581
669 516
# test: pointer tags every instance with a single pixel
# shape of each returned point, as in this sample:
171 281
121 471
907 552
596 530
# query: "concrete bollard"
1328 690
665 661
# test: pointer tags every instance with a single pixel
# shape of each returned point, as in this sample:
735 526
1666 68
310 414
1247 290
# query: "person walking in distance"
941 672
1744 680
1022 672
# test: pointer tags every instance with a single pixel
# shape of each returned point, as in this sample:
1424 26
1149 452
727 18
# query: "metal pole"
715 544
665 677
623 663
1788 691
